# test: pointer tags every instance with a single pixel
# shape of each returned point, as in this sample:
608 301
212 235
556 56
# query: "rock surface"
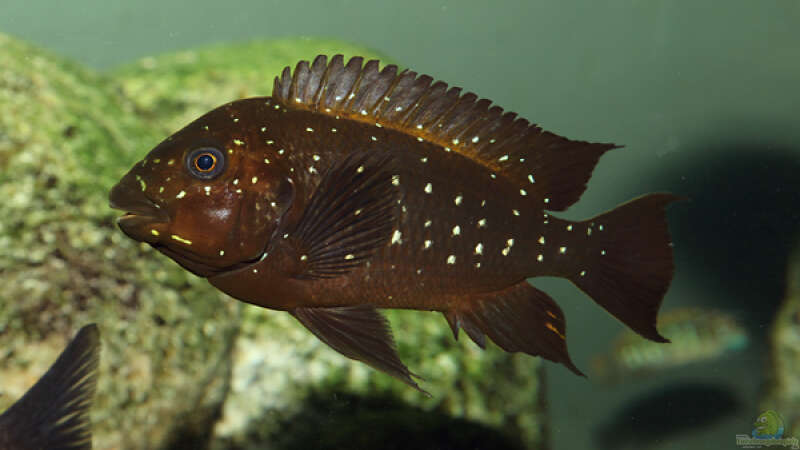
783 384
65 136
181 361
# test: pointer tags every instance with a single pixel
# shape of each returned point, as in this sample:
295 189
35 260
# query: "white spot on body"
254 180
222 253
530 178
428 243
428 223
516 213
569 227
456 231
479 249
451 259
523 192
207 189
181 194
458 199
583 273
428 188
397 237
238 142
482 223
349 256
540 257
309 129
396 180
562 250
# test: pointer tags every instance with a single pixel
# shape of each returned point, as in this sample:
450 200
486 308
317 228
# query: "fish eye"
205 162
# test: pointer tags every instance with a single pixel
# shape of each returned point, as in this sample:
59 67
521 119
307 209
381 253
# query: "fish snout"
143 218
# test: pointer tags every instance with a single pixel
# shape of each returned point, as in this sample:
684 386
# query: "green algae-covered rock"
169 352
65 137
783 384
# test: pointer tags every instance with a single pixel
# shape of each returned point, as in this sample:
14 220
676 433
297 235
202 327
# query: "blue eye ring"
205 162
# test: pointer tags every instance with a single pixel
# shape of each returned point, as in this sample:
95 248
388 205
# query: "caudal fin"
629 262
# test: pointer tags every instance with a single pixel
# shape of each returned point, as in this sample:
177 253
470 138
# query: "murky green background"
703 94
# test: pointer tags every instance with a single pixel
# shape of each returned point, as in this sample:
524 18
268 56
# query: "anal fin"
358 332
518 319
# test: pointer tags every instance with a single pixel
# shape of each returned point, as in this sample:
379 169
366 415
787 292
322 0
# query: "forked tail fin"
628 265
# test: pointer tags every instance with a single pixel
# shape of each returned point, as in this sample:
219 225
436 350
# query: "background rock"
783 384
64 138
177 354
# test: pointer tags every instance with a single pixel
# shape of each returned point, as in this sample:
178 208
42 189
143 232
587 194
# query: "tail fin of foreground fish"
54 413
628 266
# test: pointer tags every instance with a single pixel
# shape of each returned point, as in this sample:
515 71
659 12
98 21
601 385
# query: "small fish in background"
354 188
695 334
667 413
54 413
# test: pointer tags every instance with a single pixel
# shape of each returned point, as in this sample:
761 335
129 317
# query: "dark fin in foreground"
629 263
546 165
349 216
518 319
358 332
54 413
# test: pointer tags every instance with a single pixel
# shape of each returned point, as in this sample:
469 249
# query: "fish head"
209 196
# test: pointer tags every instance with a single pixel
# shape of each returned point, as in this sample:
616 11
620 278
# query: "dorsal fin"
547 167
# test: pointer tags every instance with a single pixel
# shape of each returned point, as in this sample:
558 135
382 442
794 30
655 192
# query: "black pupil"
205 162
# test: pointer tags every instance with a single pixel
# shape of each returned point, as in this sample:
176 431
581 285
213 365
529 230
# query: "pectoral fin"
349 216
358 332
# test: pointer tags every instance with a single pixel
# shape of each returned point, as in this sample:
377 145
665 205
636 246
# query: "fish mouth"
140 213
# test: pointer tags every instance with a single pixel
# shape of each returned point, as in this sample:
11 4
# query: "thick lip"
136 205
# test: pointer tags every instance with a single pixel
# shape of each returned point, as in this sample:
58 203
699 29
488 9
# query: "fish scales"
355 187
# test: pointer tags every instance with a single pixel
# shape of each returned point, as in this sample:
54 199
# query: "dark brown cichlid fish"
354 188
54 413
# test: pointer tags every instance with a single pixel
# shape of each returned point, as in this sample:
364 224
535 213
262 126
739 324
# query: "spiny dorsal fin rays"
550 169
